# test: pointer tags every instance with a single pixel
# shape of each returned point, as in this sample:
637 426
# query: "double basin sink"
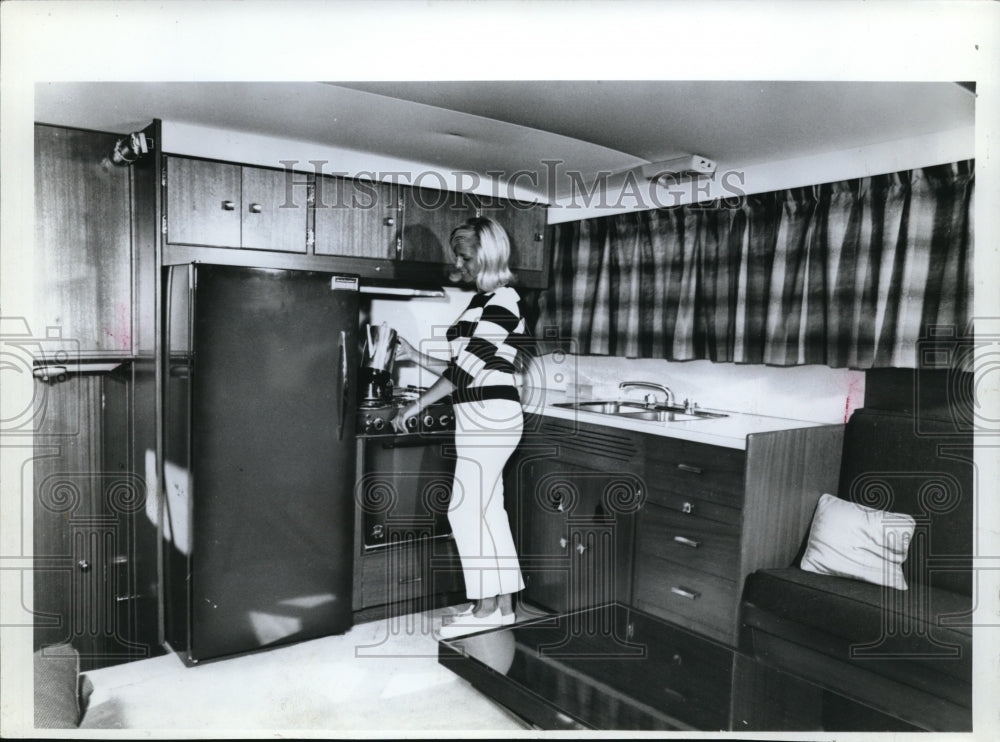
634 410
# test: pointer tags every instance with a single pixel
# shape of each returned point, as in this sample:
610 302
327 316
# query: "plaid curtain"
846 274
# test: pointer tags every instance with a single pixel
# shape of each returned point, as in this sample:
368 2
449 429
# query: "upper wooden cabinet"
83 244
219 204
385 231
355 218
429 216
525 225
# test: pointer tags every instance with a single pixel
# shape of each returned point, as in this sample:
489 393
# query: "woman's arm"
409 353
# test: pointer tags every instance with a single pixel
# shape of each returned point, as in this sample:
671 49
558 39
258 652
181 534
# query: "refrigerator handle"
345 388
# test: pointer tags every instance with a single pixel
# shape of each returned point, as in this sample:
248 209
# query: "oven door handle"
345 388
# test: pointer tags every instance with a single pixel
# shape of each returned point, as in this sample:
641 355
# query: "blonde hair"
492 248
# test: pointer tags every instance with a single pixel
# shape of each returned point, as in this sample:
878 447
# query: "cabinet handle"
389 221
685 541
539 236
256 208
124 598
410 581
689 468
563 543
687 507
683 592
84 565
580 548
228 206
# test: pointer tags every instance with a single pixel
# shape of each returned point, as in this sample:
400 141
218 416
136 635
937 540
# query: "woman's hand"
405 351
404 414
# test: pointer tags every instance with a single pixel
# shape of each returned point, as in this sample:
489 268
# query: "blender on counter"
377 359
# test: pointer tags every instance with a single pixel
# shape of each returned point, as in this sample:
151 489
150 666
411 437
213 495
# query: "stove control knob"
411 423
428 421
444 420
378 423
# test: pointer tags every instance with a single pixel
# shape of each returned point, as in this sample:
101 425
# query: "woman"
488 421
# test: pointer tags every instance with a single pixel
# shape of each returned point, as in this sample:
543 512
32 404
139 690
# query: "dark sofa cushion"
902 634
922 468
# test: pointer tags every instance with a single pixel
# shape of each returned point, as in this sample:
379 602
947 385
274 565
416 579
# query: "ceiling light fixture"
696 165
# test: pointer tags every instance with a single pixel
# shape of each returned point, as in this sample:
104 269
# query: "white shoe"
472 624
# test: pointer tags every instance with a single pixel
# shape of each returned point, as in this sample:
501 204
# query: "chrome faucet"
649 399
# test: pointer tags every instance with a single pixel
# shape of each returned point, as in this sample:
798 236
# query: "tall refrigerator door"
272 457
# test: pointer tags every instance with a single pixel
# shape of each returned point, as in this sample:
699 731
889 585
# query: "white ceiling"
513 126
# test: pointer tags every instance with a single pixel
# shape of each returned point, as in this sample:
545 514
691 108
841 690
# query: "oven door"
405 488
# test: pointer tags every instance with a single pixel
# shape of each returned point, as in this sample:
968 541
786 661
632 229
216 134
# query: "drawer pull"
684 592
687 507
256 208
228 205
685 541
689 468
410 581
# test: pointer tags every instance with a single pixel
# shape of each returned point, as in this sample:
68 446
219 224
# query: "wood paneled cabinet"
571 493
356 218
668 526
380 230
95 583
713 515
83 269
525 225
221 204
429 216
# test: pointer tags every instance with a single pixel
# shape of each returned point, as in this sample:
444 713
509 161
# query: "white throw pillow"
851 540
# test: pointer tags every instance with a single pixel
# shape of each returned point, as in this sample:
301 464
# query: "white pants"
486 434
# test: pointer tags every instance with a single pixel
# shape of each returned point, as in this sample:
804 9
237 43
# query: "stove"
375 416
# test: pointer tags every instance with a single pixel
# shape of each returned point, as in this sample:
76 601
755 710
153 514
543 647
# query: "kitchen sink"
641 411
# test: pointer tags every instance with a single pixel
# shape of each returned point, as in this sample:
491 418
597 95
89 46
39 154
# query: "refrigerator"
259 457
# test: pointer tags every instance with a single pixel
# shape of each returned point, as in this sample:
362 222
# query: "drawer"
691 503
697 600
712 472
405 573
689 540
684 675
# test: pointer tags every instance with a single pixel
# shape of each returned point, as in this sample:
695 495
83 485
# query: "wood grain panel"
689 540
787 471
525 226
66 491
710 611
351 218
271 220
196 193
428 218
711 472
83 260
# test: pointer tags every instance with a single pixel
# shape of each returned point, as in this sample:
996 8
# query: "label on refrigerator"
344 283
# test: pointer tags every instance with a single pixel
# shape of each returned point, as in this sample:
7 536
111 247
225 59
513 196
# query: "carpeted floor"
380 677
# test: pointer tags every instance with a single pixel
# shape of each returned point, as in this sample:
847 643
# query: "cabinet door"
355 218
271 220
525 225
429 216
573 544
83 257
84 510
204 203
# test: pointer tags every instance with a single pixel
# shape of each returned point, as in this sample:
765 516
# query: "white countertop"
731 431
